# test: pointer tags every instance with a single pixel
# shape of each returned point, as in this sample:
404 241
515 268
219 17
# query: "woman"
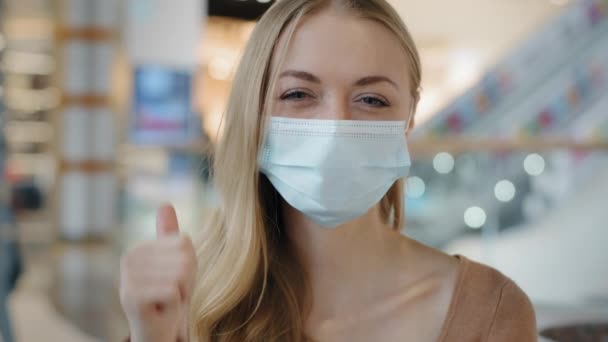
306 244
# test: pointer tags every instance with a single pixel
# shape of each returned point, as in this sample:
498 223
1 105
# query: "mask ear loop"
410 118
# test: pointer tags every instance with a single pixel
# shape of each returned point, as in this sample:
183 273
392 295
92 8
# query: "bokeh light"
504 190
415 187
475 217
534 164
443 163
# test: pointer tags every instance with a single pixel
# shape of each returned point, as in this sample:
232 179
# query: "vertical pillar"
87 195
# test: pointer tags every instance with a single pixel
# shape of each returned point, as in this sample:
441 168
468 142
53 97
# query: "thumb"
166 221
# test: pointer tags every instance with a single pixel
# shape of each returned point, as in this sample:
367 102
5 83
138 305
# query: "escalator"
549 99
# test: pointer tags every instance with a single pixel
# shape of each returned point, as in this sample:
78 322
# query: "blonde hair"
250 287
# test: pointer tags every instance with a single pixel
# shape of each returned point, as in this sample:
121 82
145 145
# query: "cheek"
400 114
303 109
282 108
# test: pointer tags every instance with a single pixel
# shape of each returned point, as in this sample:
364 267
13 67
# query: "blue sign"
162 107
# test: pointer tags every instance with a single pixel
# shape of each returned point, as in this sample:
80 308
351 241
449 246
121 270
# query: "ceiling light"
465 68
429 104
559 2
220 68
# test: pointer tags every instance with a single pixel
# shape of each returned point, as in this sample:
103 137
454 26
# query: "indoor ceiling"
459 39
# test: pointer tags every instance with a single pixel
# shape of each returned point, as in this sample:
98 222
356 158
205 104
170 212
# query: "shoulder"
493 303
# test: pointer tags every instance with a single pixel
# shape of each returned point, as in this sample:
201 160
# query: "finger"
167 279
163 295
162 254
184 324
189 266
166 221
156 266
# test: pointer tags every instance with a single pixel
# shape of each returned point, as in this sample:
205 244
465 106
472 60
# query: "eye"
374 101
296 95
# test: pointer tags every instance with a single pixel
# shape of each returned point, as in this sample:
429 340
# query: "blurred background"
109 108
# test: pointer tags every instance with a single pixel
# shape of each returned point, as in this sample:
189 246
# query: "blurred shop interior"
110 108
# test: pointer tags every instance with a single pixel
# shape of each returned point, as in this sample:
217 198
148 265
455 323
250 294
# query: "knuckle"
185 243
182 272
135 253
187 250
190 264
170 292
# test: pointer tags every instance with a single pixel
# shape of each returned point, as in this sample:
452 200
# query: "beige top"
488 306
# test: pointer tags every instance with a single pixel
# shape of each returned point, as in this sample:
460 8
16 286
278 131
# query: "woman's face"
343 68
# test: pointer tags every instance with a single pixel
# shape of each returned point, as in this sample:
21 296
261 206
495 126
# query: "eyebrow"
306 76
303 75
375 79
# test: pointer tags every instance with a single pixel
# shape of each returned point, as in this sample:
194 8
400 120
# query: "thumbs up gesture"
156 282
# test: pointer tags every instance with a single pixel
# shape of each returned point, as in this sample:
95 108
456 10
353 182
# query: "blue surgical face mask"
334 171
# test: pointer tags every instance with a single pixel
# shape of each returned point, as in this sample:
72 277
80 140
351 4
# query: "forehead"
336 43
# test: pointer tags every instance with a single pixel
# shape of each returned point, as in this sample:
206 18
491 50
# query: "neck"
340 262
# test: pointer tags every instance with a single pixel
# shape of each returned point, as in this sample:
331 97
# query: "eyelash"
382 102
291 95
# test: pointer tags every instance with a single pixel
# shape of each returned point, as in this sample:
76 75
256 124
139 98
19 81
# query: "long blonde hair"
250 287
